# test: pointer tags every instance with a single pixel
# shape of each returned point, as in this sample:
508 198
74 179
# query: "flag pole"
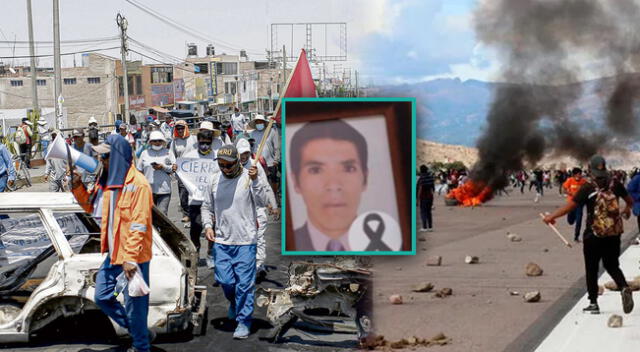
272 118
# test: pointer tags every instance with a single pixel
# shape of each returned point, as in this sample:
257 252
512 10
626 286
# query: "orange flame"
471 194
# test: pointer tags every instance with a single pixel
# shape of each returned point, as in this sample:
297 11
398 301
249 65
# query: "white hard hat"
92 119
206 125
258 117
157 136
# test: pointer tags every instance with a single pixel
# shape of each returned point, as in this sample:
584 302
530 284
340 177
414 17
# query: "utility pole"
32 53
284 73
56 63
357 88
122 23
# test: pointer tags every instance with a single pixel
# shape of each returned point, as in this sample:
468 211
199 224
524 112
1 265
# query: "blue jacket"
634 191
6 163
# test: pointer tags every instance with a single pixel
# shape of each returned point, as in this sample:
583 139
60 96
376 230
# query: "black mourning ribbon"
375 237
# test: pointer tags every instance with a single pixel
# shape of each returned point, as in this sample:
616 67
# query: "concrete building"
88 90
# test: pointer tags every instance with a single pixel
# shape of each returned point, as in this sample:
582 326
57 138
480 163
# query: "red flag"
300 83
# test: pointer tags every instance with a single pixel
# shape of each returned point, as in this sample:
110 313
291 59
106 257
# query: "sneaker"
152 336
627 300
231 313
592 308
242 331
424 229
185 219
430 229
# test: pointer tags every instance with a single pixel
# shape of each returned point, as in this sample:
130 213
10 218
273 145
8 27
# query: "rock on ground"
533 269
615 321
532 297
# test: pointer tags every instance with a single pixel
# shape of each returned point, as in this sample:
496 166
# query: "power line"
186 29
49 55
161 62
71 41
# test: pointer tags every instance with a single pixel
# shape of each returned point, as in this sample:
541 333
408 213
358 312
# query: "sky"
389 41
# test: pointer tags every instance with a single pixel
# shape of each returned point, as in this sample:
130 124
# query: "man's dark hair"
423 169
576 170
329 129
205 134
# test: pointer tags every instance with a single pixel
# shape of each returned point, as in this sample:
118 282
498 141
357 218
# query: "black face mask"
602 182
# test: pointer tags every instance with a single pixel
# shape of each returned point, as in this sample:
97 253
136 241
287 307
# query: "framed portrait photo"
348 176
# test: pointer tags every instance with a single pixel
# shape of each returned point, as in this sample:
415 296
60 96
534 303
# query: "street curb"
533 335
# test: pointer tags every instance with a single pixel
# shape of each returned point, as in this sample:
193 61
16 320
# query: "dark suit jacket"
303 239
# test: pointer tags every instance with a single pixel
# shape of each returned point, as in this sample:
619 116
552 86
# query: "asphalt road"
72 335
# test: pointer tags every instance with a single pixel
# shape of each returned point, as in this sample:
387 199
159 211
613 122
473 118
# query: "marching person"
123 198
55 171
604 227
246 159
157 164
426 189
238 122
572 186
235 234
271 149
23 138
7 169
44 135
203 151
182 142
93 123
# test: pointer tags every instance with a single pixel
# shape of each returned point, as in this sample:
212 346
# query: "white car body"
176 303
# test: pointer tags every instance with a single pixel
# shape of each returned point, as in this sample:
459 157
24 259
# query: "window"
120 87
17 83
130 84
41 82
161 74
93 80
226 68
81 230
138 85
201 68
244 86
230 87
70 81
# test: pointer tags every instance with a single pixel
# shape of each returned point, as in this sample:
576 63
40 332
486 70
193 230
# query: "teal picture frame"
283 183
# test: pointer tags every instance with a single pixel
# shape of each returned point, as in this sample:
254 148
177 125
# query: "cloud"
424 39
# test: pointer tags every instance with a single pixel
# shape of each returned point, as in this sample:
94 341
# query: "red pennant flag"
300 83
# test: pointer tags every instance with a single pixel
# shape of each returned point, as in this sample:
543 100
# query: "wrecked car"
340 289
49 257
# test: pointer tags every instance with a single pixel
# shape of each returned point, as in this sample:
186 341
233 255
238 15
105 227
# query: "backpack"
20 137
607 217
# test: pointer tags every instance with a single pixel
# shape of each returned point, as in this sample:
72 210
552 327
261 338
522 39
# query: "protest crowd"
226 196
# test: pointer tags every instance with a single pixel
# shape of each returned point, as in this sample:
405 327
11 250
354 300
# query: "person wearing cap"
224 135
44 135
80 145
217 142
55 171
7 168
123 130
232 198
93 123
247 161
571 187
182 142
600 246
203 151
157 164
123 200
271 149
238 122
167 128
25 148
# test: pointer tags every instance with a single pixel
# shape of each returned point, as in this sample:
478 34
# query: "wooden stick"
259 153
557 233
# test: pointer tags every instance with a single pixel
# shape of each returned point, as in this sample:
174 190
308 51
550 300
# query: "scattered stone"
424 249
399 268
470 259
600 290
503 219
533 269
422 287
513 237
532 297
633 285
615 321
489 301
546 250
354 287
395 299
611 286
442 293
514 293
435 260
422 239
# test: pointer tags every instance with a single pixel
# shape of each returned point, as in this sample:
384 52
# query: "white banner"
196 174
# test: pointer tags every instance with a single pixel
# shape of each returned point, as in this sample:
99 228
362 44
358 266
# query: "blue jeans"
45 145
575 216
133 316
3 182
236 273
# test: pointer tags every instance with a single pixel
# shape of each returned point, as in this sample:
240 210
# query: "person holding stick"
604 227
